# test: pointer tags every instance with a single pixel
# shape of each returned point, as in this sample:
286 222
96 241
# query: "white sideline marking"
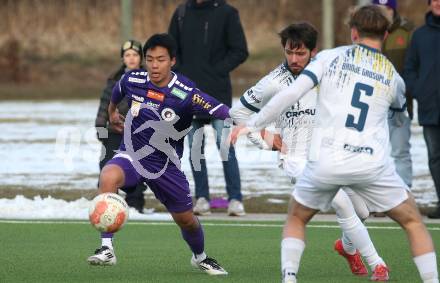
205 224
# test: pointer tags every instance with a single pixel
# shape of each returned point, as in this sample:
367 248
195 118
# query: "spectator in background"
394 47
109 135
422 69
210 44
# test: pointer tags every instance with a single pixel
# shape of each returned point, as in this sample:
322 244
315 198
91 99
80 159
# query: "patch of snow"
276 201
51 208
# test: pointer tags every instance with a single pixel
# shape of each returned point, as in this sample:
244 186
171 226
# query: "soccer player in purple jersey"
162 104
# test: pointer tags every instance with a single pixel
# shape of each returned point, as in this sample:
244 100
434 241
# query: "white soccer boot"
236 208
209 265
102 256
202 207
288 277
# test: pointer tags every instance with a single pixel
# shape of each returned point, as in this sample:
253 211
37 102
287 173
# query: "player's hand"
237 131
117 122
258 140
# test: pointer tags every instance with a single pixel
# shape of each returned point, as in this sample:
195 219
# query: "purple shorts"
171 188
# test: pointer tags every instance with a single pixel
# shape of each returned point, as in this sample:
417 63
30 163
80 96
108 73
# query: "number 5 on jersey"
359 89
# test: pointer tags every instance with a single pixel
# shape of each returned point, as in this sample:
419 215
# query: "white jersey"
295 124
357 87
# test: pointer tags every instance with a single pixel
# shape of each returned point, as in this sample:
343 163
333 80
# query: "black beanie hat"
131 44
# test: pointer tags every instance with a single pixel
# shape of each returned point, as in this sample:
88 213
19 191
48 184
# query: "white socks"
348 245
200 257
291 252
107 242
355 231
427 266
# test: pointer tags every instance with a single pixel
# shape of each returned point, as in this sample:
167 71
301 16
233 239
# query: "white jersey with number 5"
357 87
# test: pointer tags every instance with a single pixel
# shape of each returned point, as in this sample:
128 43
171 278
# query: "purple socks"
195 239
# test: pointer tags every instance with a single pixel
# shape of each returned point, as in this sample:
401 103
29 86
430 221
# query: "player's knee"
342 205
186 220
111 179
299 213
337 206
188 224
413 225
406 214
295 220
299 220
409 219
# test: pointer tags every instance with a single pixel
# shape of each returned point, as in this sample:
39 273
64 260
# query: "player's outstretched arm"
281 101
273 109
250 103
238 131
240 114
203 103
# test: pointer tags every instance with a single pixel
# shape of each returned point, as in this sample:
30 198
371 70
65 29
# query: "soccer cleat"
355 262
288 277
209 265
380 273
236 208
202 207
103 256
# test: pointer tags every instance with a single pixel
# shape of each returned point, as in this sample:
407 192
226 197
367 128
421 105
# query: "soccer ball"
108 212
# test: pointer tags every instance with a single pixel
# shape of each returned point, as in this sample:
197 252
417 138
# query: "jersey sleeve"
281 101
117 92
253 100
399 101
315 69
308 79
202 103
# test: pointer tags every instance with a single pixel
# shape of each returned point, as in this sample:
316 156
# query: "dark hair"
369 21
116 76
161 39
298 34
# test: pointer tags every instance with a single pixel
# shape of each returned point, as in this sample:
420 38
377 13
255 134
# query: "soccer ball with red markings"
108 212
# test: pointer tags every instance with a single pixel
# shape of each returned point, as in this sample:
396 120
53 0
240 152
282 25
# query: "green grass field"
155 252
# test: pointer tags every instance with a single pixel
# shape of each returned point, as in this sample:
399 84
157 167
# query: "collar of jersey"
369 48
170 84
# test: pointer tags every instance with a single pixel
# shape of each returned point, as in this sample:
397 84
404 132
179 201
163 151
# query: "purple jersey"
161 113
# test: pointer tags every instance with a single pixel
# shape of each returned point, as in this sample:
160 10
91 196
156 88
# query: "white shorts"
380 195
293 168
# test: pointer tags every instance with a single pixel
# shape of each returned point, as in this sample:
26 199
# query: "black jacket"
102 118
211 43
422 70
